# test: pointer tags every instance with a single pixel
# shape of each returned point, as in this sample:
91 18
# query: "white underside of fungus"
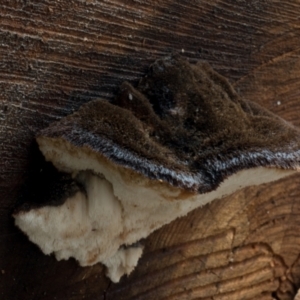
118 209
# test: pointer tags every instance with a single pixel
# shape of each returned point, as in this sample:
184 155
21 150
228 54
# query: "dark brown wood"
56 55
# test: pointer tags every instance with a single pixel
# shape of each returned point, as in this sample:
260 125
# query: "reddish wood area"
56 55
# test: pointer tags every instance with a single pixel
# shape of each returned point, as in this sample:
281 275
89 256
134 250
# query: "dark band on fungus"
183 124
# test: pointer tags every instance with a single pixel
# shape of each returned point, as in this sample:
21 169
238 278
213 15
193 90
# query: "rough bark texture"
56 55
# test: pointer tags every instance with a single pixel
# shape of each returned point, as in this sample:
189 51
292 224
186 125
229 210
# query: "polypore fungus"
179 140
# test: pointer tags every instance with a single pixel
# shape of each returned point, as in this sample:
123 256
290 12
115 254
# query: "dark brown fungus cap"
184 124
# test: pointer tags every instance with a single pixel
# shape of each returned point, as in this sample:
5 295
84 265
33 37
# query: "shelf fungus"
179 140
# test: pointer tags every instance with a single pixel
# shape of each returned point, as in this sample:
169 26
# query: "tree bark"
57 55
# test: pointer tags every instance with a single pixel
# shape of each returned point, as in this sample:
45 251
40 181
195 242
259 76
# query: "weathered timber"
57 55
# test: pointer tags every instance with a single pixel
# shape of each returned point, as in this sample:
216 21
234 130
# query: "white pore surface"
297 297
120 208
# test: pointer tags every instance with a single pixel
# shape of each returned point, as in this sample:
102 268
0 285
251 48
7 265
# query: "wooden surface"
56 55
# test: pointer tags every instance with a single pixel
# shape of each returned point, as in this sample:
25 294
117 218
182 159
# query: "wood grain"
56 55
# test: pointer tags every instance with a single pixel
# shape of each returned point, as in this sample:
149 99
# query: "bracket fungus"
180 139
